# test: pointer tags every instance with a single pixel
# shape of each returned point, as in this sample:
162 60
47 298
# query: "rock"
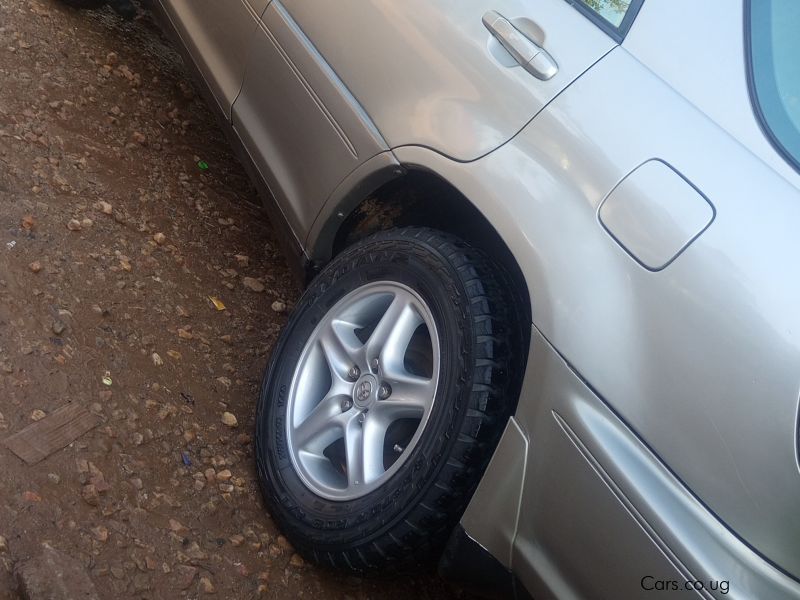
160 238
194 552
38 415
206 586
254 285
3 545
86 223
242 260
224 475
139 137
30 496
137 438
90 494
185 334
54 478
74 225
229 419
35 266
236 540
54 575
104 207
58 327
278 306
100 533
157 360
297 561
184 575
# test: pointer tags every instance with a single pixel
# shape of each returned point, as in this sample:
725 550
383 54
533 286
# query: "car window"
612 11
775 70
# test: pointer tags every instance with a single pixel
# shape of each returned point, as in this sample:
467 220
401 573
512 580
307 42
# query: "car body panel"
429 73
301 115
602 516
705 64
217 35
691 356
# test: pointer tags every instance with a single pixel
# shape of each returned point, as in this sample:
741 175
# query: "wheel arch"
397 195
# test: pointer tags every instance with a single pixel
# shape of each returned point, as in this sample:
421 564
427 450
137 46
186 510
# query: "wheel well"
423 199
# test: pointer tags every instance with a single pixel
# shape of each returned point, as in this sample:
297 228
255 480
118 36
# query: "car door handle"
529 55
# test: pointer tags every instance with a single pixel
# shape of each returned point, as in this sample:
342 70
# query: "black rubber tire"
89 4
405 523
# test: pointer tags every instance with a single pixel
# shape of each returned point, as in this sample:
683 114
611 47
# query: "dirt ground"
112 240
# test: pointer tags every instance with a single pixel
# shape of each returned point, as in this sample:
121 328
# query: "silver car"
551 334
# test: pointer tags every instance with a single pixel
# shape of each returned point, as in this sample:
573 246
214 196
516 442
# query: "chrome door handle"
529 55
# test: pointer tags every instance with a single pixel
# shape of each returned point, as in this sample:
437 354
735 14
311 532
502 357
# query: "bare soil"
112 242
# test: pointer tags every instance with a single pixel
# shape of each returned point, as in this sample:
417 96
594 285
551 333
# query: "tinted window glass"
775 55
612 11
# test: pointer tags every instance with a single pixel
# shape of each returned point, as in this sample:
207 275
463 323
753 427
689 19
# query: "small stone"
160 238
38 414
194 552
86 223
54 478
105 208
254 285
206 586
90 494
157 360
278 306
185 334
229 419
30 496
236 540
224 475
210 475
297 561
100 533
58 327
242 260
35 266
184 575
3 545
139 137
74 225
177 527
137 438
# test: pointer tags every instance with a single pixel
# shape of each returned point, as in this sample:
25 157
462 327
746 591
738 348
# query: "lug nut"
384 391
347 405
354 373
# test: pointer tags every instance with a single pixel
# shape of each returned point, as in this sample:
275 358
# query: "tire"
88 4
404 522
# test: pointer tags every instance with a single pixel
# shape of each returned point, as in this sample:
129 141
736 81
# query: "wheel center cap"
365 391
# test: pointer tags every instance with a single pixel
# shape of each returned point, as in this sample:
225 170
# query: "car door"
217 34
431 73
332 84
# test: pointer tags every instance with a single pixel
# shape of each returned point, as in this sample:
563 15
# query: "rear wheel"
384 399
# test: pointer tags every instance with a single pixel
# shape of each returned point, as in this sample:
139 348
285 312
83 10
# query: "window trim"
616 33
776 143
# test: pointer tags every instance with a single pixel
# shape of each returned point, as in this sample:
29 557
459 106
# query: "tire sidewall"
422 269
